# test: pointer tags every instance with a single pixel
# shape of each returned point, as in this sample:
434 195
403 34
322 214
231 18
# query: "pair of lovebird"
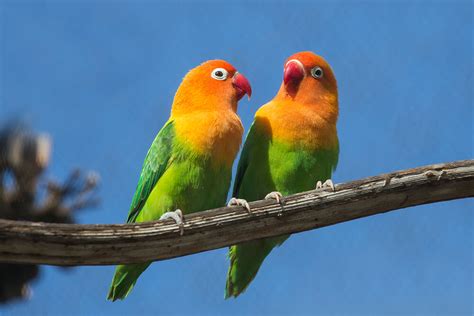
292 146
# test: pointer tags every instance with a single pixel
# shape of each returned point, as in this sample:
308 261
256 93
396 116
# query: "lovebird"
291 146
188 167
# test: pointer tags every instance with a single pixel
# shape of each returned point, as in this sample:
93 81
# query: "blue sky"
99 76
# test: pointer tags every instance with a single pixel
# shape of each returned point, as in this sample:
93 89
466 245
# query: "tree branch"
66 244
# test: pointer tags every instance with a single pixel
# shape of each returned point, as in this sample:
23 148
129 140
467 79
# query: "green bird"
189 165
291 146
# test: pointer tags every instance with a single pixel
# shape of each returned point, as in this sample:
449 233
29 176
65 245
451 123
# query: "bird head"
308 77
213 85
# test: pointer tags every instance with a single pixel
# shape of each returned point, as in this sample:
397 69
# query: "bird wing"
158 159
244 160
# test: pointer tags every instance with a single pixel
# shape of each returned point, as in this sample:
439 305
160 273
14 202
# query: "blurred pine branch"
24 156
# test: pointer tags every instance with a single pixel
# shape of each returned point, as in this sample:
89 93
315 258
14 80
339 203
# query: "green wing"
297 170
244 160
156 162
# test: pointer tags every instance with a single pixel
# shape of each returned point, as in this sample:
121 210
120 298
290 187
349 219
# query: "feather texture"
291 145
189 164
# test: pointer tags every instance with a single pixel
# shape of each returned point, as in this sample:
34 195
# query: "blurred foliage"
24 156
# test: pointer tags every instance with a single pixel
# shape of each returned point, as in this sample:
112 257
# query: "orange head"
213 85
308 80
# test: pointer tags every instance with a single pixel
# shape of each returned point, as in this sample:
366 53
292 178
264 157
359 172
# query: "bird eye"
219 74
317 72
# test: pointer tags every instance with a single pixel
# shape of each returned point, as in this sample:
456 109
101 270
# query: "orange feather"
204 114
308 117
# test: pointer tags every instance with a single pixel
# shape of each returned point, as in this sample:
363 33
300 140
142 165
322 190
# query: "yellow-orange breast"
307 126
215 134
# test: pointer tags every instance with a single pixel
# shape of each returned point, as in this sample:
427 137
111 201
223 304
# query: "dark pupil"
219 73
318 72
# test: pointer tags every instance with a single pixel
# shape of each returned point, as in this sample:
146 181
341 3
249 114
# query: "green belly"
191 186
285 168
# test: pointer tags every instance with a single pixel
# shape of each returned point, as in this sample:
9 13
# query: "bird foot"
178 217
275 195
327 184
240 202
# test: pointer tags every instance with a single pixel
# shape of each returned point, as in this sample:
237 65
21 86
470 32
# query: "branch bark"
67 244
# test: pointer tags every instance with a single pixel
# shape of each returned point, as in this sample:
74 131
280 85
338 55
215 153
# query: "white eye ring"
317 72
219 74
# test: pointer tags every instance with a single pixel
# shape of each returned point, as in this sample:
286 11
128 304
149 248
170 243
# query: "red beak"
242 85
293 72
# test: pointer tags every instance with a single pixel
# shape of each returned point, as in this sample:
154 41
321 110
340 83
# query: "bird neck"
317 101
210 135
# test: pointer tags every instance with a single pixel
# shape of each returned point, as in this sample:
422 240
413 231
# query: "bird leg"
327 184
275 195
240 202
178 217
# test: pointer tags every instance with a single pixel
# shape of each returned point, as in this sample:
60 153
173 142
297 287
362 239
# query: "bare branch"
63 244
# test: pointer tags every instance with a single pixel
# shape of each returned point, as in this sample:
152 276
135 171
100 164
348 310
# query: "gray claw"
327 184
177 216
275 195
239 202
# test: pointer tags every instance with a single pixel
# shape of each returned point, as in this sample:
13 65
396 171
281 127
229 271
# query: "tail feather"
124 279
245 261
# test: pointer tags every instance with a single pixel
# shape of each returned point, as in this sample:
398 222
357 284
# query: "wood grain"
69 244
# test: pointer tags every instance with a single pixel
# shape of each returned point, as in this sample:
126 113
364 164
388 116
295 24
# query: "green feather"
156 162
173 176
267 165
124 279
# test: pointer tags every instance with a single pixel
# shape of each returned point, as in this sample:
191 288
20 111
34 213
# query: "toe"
329 184
246 205
177 216
239 202
232 202
274 195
